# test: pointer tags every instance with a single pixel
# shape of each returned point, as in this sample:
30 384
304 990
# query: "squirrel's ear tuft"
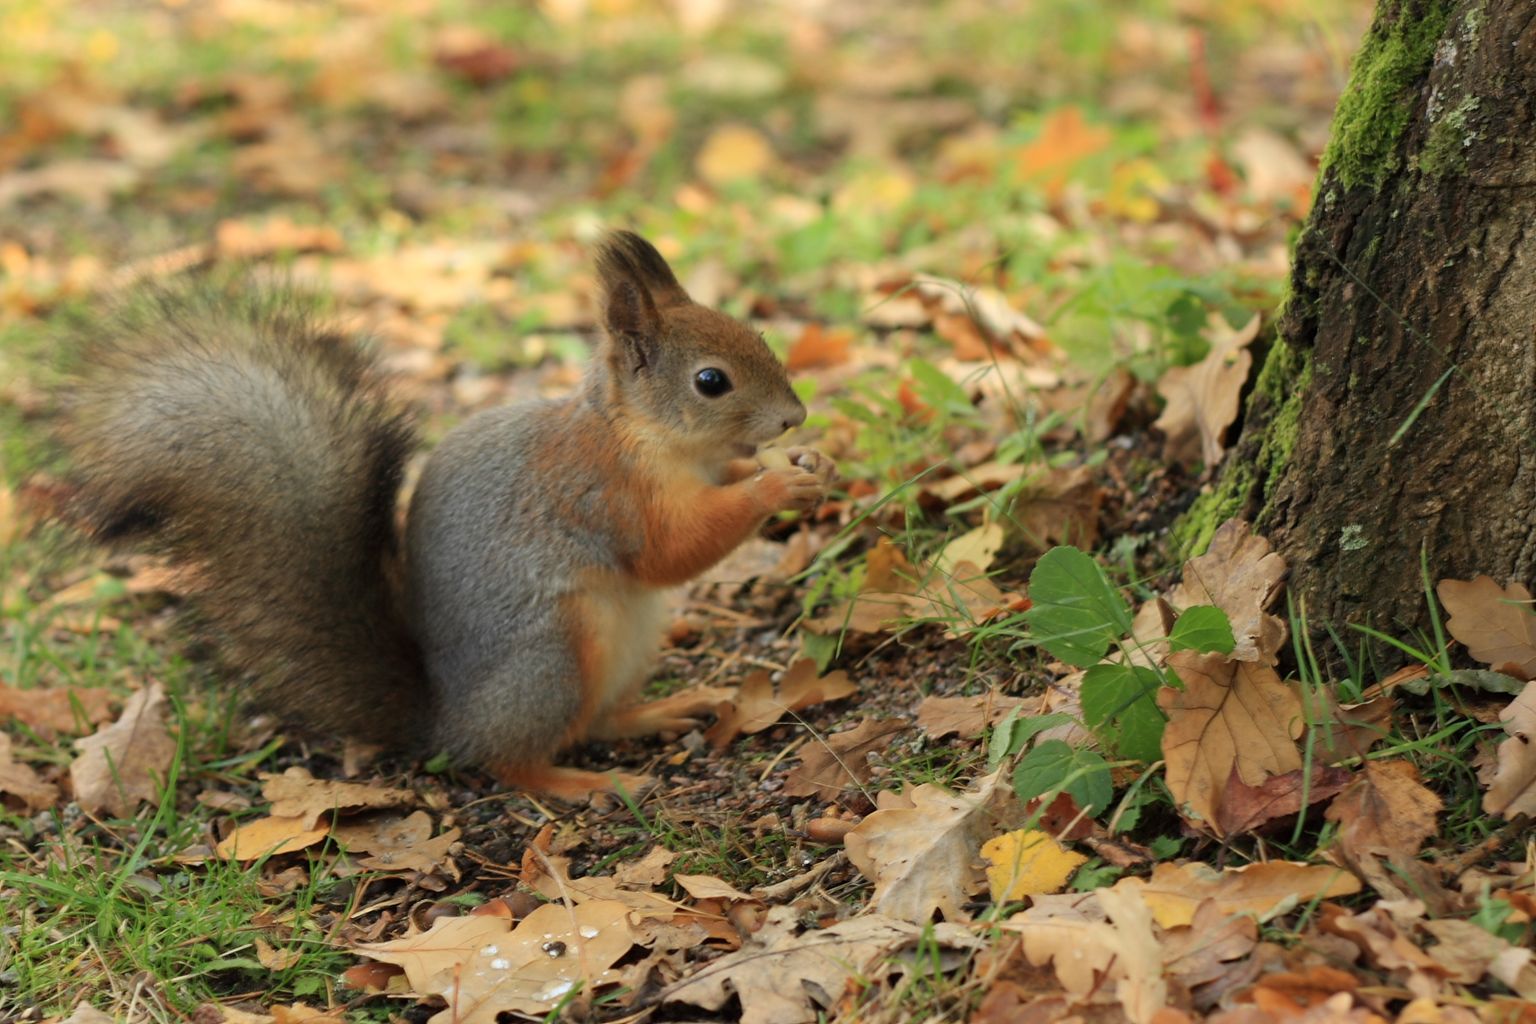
625 257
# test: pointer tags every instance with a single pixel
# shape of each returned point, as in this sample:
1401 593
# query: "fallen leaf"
648 870
635 895
1204 950
975 547
1064 142
1086 954
733 152
123 764
275 959
398 843
1203 398
23 782
482 966
758 704
817 348
831 764
51 711
1058 506
940 717
1245 808
1513 790
1497 625
1385 811
784 976
298 794
708 887
1027 862
271 836
922 857
1240 575
1175 891
1230 716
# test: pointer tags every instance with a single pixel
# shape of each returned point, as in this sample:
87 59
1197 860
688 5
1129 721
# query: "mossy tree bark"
1396 412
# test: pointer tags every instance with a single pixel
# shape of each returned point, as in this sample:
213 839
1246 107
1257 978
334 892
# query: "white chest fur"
629 621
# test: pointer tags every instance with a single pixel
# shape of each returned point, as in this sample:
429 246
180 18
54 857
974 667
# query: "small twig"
804 880
1456 865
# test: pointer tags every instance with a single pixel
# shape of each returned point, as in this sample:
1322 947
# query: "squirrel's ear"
624 256
633 325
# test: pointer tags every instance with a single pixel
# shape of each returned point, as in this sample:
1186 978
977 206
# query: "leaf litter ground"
1015 256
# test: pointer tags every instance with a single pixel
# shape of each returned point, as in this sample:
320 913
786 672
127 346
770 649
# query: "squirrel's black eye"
711 383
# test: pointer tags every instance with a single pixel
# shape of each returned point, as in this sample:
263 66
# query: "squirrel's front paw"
789 490
813 461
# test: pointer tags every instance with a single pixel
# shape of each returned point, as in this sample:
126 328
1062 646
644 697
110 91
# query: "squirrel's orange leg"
675 713
573 784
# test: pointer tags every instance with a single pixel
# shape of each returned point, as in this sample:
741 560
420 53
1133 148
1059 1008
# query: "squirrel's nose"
795 418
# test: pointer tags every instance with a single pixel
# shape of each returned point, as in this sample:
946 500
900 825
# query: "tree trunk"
1396 412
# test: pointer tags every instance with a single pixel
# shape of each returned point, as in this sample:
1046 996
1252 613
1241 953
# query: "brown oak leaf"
828 767
1203 398
1513 789
1496 624
1230 716
124 763
23 782
1240 575
758 704
1246 808
964 716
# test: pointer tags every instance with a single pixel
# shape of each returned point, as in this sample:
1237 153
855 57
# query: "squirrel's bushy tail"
258 449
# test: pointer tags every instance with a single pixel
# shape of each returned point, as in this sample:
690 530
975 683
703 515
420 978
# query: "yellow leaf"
733 152
1175 891
1027 862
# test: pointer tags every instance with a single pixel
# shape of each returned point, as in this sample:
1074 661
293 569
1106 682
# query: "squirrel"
522 605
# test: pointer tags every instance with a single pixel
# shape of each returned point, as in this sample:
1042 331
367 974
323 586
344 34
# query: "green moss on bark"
1375 107
1282 382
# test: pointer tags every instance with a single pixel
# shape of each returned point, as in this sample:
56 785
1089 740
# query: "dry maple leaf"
298 794
922 857
482 968
1240 575
782 976
124 763
22 782
833 763
1065 140
759 704
1513 790
1175 891
1230 715
1497 625
1203 398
